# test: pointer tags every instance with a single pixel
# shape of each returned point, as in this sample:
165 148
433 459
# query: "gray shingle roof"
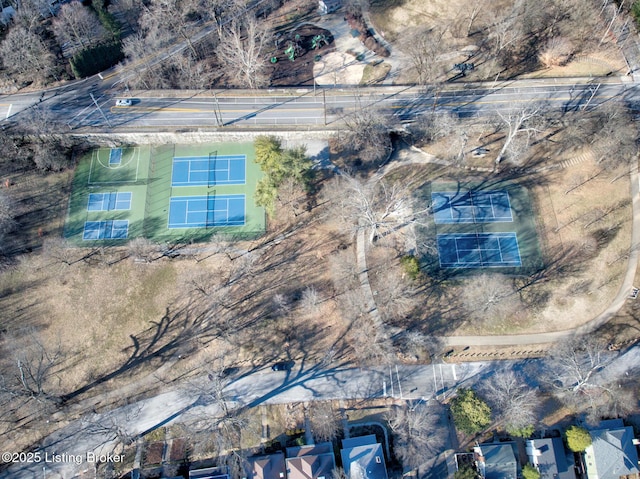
362 458
499 461
550 458
611 453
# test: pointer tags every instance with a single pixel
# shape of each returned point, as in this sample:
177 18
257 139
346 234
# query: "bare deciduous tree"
368 134
310 300
34 366
616 136
59 249
473 14
344 272
417 345
163 20
370 342
398 297
325 420
556 52
112 427
29 13
414 426
514 401
507 31
572 364
24 54
143 249
220 10
491 296
7 221
376 206
523 121
435 125
77 25
242 50
423 49
577 370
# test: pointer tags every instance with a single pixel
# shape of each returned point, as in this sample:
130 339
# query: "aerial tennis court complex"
166 192
481 226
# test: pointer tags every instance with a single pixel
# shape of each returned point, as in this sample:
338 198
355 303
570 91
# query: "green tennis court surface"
165 193
116 165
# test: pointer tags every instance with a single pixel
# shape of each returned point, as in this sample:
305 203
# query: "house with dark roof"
496 460
209 473
362 458
271 466
550 458
310 462
612 453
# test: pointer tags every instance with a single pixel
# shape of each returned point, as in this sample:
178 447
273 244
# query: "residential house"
271 466
496 460
329 6
310 462
550 458
362 458
209 473
612 453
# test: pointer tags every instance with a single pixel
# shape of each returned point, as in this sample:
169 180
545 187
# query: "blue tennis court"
109 201
101 230
115 156
206 211
481 250
471 207
209 170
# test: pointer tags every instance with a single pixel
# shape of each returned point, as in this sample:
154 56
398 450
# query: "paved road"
74 107
304 383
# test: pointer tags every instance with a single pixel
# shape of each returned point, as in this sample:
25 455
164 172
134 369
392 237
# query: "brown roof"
311 462
267 467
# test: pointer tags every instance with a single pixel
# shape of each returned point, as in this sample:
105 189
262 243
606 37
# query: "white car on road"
124 102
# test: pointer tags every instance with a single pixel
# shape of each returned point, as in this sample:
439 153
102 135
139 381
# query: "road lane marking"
428 103
8 111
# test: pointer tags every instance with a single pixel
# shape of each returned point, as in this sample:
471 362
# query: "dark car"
283 366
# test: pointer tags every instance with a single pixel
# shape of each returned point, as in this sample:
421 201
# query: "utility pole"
216 111
324 104
100 110
593 93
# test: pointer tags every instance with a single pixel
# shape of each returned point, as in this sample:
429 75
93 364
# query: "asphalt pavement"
93 435
74 107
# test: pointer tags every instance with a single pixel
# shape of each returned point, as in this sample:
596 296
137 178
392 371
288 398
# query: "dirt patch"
300 40
337 68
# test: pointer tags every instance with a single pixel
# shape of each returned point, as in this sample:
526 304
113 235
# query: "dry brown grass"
397 22
584 234
118 324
